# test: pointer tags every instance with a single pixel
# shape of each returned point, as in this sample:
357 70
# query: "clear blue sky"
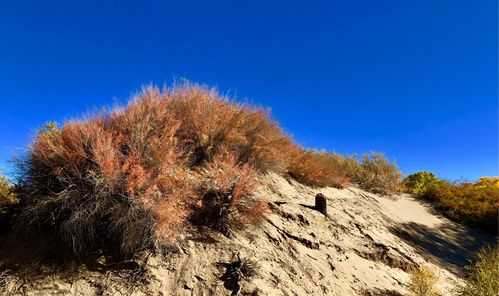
416 80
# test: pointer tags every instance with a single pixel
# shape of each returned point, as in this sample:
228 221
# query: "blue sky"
416 80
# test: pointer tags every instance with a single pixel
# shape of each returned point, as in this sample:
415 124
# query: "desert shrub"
130 179
483 274
372 173
226 190
377 174
95 186
422 282
418 183
488 182
7 195
321 168
209 123
470 203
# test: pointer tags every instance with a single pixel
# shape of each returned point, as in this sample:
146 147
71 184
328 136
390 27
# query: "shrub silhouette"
483 274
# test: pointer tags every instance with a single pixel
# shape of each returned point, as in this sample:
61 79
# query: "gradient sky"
416 80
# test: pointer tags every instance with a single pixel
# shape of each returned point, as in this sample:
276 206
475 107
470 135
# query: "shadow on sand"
451 245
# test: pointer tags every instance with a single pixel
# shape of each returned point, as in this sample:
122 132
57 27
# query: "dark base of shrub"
213 213
118 229
36 257
5 217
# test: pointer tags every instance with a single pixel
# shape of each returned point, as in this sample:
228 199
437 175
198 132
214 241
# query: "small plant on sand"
483 274
422 282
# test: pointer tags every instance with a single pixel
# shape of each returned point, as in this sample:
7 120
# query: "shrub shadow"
451 245
33 259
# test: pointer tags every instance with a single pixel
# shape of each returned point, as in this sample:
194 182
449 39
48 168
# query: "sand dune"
364 246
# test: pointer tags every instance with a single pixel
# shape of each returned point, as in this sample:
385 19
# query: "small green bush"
423 282
418 183
483 274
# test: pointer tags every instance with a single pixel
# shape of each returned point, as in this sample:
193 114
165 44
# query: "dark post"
320 203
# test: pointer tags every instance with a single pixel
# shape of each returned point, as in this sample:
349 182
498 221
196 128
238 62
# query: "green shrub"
469 203
483 274
378 175
423 282
488 181
418 183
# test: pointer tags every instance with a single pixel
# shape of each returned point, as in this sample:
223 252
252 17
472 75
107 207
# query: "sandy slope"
365 246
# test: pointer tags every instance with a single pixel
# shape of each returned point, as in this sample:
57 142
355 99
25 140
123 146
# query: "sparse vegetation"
373 172
423 282
378 175
483 274
470 203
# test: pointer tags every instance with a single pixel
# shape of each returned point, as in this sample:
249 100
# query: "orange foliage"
320 169
137 174
151 164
